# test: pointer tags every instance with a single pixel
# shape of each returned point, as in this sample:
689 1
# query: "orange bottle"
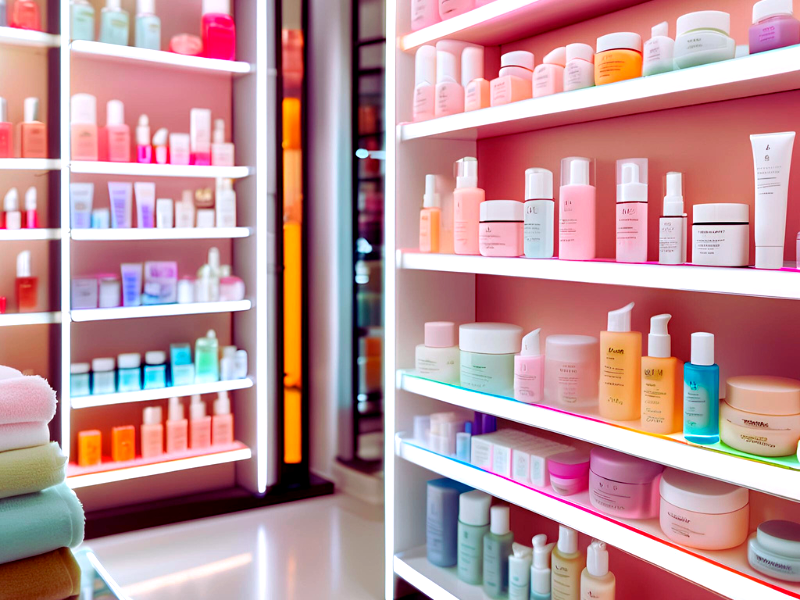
32 132
429 217
89 448
123 443
619 57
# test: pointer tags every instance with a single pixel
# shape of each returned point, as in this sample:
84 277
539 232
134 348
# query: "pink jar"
569 472
623 486
501 228
703 513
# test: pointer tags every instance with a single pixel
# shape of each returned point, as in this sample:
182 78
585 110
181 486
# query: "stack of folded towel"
40 517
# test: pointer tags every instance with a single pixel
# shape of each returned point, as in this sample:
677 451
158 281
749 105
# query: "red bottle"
27 286
6 132
26 15
218 30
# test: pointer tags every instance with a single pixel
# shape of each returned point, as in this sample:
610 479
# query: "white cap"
466 172
222 405
632 180
620 319
228 351
446 67
518 58
83 109
79 368
577 172
219 131
540 570
538 184
597 559
580 51
143 131
769 257
659 342
425 65
431 197
160 137
3 110
131 360
770 8
145 7
11 201
721 212
704 19
521 550
210 334
213 261
197 409
473 508
101 365
24 264
175 409
502 210
155 357
567 540
471 64
673 200
702 348
531 345
662 29
500 516
114 4
30 198
222 7
115 113
31 110
625 39
556 57
152 415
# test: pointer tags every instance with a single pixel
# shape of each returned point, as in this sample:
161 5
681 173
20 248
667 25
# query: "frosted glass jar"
624 486
703 37
775 550
487 356
703 513
438 358
571 370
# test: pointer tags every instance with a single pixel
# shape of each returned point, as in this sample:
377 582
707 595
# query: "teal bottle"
148 25
701 392
206 356
496 550
114 24
473 524
82 20
129 372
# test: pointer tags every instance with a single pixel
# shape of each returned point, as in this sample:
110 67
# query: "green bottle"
82 15
206 356
496 550
473 523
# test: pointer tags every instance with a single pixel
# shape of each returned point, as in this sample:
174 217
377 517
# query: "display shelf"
725 572
504 21
759 74
178 233
178 391
158 310
144 56
30 164
153 170
29 235
109 471
435 582
11 36
37 318
672 451
691 278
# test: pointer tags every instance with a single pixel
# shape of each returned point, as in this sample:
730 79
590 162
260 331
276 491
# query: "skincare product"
6 130
501 228
218 30
539 214
774 550
31 216
27 286
477 90
430 217
619 57
579 72
148 25
89 448
529 370
231 289
425 83
145 204
129 372
597 582
571 371
576 212
80 199
114 23
32 133
79 379
199 425
184 211
662 382
200 136
12 214
186 44
449 92
83 127
703 37
179 148
620 367
496 550
548 77
155 370
123 443
452 8
567 564
487 356
160 149
240 368
82 20
222 421
110 294
540 570
441 529
132 284
119 134
464 443
473 524
226 204
519 572
206 356
103 376
701 392
672 225
515 81
622 485
438 357
120 196
177 427
774 26
632 210
721 235
467 199
164 214
144 151
26 15
569 472
222 152
424 13
658 51
152 433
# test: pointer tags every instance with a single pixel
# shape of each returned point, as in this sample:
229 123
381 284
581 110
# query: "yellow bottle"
566 566
662 382
429 217
620 368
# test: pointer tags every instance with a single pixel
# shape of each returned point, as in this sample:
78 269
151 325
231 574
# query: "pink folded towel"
25 399
23 435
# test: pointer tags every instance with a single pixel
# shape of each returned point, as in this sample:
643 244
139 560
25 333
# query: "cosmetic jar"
84 292
703 37
79 379
703 513
501 228
571 370
621 485
110 295
515 80
103 376
487 356
129 372
231 289
774 549
569 472
774 26
761 415
619 57
438 357
721 235
155 370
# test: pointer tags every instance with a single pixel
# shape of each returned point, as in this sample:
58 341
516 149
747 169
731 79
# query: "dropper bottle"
529 370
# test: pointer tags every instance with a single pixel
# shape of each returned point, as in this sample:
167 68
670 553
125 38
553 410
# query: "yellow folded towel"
51 576
31 469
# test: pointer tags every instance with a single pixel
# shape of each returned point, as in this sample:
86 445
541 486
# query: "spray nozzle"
431 197
466 172
620 320
530 344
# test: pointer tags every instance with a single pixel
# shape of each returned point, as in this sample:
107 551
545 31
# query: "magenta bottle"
774 26
219 32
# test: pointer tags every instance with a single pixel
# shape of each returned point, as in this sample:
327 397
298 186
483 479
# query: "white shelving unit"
30 164
161 393
29 235
158 310
141 235
11 36
154 170
38 318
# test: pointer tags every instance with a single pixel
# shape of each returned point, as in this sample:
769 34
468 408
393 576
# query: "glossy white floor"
329 548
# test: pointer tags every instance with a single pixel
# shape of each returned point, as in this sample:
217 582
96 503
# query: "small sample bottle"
13 216
529 370
658 51
160 147
90 448
200 424
226 363
701 392
774 26
222 422
83 127
218 30
424 84
79 379
540 569
82 20
473 524
467 199
424 13
155 369
200 136
464 443
672 226
577 206
114 23
548 77
632 210
206 355
619 57
579 72
567 564
32 132
439 357
123 443
6 132
226 203
620 367
119 134
519 572
539 213
27 286
496 549
26 15
144 151
240 365
477 94
103 376
152 433
31 215
449 92
430 217
148 25
662 381
129 372
515 80
597 582
222 152
177 428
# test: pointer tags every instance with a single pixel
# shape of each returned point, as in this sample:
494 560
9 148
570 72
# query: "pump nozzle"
222 405
659 342
466 171
520 550
11 201
540 569
579 172
431 197
530 344
597 559
673 200
567 539
632 180
620 320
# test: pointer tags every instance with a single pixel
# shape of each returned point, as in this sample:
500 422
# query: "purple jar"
774 26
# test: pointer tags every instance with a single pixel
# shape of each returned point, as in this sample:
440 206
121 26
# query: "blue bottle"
82 15
129 371
148 25
442 521
114 24
155 370
701 392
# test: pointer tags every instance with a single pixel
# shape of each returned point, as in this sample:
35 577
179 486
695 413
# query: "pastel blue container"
114 26
82 20
148 32
104 377
79 379
442 521
701 392
155 370
129 372
181 366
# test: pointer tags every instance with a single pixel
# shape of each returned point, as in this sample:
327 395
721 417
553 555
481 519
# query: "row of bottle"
12 217
30 140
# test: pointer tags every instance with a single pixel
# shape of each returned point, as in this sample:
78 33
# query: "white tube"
772 162
145 204
80 198
121 198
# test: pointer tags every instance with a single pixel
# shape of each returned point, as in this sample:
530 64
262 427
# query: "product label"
652 51
568 383
700 41
682 526
670 240
538 229
632 232
616 376
495 566
489 373
565 582
658 395
470 552
423 102
528 385
435 525
773 567
542 82
697 399
630 500
449 99
724 245
578 74
501 91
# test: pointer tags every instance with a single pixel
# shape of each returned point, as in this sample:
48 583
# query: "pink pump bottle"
218 30
222 421
632 210
177 428
449 92
529 370
200 425
577 210
467 199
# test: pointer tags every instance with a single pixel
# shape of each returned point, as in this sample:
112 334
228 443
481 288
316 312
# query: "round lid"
31 109
222 7
473 508
490 338
704 19
625 40
702 348
500 517
538 184
569 465
701 494
425 65
146 7
575 348
502 210
780 537
770 8
440 334
580 52
764 395
79 368
623 468
103 364
155 357
131 360
518 58
722 212
471 64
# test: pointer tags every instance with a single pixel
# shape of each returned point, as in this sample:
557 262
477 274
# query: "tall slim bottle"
662 381
148 25
672 225
576 210
541 576
597 582
632 210
430 217
701 392
539 213
467 199
567 564
620 368
496 550
473 524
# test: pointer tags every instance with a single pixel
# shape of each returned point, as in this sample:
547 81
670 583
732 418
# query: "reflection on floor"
328 548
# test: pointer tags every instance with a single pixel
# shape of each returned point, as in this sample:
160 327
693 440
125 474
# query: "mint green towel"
41 522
